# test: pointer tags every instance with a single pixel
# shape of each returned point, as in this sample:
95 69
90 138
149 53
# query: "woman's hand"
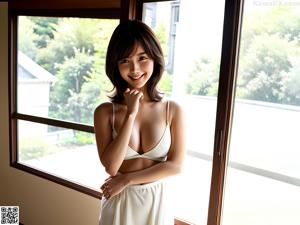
132 98
114 185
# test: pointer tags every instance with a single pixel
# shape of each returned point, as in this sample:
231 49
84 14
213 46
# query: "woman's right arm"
111 151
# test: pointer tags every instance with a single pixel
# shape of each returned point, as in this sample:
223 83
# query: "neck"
146 97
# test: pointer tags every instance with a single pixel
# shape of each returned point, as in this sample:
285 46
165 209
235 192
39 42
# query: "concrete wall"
41 202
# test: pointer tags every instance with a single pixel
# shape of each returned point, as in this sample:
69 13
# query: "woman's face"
137 68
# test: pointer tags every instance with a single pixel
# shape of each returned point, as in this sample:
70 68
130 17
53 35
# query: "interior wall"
41 202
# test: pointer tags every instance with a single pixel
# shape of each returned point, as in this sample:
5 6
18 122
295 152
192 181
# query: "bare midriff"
133 165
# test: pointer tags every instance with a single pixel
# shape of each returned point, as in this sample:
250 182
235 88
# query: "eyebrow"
142 53
138 54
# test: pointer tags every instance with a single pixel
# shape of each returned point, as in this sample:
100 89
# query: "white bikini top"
159 152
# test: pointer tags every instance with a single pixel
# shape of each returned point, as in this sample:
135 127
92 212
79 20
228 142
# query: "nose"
134 67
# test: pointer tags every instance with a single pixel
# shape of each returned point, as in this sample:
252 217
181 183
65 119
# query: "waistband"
147 186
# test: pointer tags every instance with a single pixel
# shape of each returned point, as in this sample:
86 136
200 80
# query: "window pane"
190 33
263 176
69 154
61 66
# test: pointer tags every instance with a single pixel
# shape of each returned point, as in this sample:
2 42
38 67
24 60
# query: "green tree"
65 99
44 28
291 87
69 34
27 37
203 79
263 68
267 68
82 83
162 35
98 75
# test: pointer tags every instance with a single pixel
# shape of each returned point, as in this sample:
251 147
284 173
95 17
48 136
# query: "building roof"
28 70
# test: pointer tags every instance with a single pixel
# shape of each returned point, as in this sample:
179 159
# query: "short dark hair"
122 43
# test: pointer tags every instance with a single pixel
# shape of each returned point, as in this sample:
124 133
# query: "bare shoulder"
103 110
176 110
175 106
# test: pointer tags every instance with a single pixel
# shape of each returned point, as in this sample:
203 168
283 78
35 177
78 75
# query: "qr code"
10 215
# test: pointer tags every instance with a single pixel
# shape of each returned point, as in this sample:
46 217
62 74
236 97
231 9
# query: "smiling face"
137 68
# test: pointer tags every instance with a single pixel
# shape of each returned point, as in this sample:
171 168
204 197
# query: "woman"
140 135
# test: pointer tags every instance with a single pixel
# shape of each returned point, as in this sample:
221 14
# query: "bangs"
129 43
126 47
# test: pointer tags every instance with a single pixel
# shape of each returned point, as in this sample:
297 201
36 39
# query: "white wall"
41 202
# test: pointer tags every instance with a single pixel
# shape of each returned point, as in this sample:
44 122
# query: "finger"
132 91
126 93
104 186
108 196
140 95
108 178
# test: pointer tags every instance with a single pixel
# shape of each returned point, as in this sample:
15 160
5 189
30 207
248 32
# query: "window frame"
92 9
131 9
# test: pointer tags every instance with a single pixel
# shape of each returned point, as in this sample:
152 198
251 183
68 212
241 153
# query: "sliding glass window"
263 175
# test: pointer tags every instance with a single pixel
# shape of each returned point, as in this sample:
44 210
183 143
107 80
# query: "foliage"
69 35
40 148
44 28
268 70
165 84
162 35
263 68
65 100
203 79
76 56
27 37
82 138
268 48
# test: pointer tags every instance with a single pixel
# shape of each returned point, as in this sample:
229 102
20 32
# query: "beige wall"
41 202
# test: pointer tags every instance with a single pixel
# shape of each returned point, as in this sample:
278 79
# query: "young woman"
139 134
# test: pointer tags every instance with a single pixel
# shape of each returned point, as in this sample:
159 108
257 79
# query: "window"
263 175
58 80
201 44
192 56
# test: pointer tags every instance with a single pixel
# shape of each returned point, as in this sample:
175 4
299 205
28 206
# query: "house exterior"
33 79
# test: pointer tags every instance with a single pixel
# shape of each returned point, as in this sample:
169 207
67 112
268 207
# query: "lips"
136 77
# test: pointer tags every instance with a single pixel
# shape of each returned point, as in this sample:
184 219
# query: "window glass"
61 66
65 153
263 175
61 75
190 33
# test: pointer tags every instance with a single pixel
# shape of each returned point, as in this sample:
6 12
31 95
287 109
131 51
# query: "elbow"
110 168
176 168
111 171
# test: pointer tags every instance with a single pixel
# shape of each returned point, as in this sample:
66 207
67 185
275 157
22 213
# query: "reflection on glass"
61 66
190 33
65 153
263 177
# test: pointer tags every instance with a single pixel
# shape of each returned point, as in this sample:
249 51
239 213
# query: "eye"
123 61
143 57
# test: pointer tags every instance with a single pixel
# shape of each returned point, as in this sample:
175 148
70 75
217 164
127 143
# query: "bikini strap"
113 116
168 112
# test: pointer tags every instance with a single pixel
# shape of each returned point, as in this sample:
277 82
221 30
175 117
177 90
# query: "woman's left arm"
164 169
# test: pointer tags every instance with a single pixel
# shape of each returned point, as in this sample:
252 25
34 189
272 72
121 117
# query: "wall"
41 202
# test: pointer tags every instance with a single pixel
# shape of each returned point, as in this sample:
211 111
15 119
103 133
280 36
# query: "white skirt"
146 204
